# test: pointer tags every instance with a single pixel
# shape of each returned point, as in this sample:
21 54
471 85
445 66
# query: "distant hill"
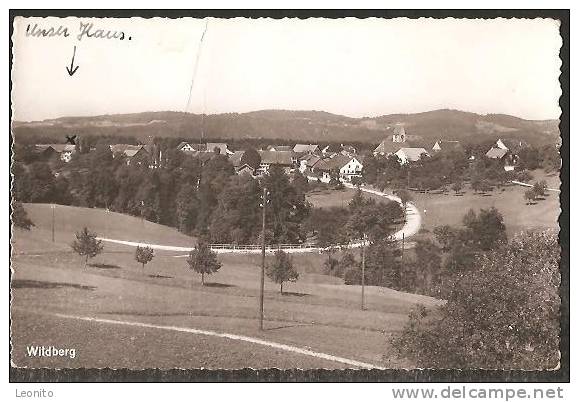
308 126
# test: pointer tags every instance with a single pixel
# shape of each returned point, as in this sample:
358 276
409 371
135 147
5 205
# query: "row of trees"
201 260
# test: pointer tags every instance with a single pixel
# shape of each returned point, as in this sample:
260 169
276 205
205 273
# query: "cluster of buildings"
132 154
309 159
332 161
505 150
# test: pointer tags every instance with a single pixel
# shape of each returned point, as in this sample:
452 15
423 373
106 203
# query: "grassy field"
317 312
448 209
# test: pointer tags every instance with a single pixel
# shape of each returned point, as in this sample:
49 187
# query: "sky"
354 67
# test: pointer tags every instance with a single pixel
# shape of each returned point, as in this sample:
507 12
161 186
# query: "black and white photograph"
223 193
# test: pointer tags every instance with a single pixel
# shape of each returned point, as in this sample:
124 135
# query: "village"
339 161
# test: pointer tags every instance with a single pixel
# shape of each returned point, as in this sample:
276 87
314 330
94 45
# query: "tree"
87 245
428 262
281 269
20 216
203 260
457 187
404 196
485 230
144 255
530 196
540 188
503 314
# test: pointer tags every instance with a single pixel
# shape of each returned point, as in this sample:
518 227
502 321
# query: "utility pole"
363 266
53 207
264 202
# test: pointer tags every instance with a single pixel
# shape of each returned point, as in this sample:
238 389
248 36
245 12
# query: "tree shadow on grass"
218 285
104 266
160 276
295 294
25 283
286 326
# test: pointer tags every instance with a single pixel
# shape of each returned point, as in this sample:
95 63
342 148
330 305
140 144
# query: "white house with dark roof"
345 166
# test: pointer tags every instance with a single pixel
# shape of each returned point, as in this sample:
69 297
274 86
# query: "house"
134 154
307 163
62 151
512 145
447 146
275 158
508 159
408 155
306 149
345 167
348 150
186 147
241 167
245 170
390 145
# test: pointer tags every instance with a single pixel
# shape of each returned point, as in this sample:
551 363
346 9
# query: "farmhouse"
62 151
275 158
344 167
507 157
407 155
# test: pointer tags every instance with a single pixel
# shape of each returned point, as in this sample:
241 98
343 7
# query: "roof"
57 147
387 147
276 157
280 148
412 154
335 163
310 159
221 145
300 148
235 158
496 153
182 144
124 147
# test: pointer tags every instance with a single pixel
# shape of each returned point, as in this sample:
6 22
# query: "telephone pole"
53 207
264 202
363 267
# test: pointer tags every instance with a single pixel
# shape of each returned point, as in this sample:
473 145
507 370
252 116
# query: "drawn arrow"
72 69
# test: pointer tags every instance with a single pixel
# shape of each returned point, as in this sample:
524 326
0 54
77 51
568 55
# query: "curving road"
410 228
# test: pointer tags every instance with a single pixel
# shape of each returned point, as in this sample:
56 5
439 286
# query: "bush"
20 217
